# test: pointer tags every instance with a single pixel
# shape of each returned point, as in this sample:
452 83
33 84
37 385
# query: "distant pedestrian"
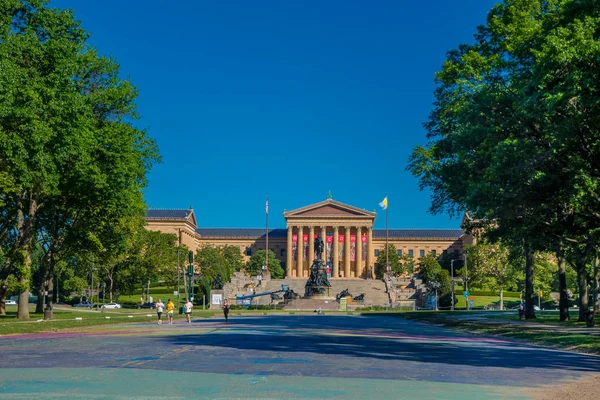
188 310
160 306
226 310
170 308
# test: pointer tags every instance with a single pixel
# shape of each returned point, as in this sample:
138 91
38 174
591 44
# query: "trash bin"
48 313
589 319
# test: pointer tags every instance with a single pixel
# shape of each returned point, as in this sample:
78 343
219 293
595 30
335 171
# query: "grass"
64 318
551 334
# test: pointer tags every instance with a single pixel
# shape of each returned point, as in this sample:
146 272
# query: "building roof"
447 234
418 233
329 208
172 215
253 233
167 214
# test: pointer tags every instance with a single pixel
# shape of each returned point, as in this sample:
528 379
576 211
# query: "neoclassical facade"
351 243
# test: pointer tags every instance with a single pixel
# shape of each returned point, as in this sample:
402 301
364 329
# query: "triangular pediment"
329 208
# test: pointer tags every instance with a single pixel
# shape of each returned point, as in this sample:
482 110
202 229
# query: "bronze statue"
319 247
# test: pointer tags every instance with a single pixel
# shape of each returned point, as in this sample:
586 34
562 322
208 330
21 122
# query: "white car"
10 303
112 305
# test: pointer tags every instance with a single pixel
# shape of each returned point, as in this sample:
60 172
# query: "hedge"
459 292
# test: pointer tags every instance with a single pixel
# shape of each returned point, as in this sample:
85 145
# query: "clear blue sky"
293 98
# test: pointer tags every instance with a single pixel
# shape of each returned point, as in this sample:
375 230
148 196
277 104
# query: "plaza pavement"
280 357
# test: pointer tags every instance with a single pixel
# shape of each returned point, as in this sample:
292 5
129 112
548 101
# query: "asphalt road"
290 357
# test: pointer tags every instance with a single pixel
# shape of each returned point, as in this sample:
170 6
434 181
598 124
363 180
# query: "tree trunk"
3 291
39 304
25 272
583 291
563 303
501 299
529 300
50 290
595 283
110 287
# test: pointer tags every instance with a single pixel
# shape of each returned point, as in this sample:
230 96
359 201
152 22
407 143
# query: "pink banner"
364 247
352 247
294 247
328 247
341 249
305 240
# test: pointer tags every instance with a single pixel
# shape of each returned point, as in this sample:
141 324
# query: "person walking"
170 308
226 310
160 306
188 310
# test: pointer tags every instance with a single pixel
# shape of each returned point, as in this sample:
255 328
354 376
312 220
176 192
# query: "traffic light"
191 257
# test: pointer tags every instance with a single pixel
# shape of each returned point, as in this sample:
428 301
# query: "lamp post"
452 272
466 281
92 287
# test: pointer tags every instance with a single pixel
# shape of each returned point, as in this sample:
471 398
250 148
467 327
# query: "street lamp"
466 281
452 273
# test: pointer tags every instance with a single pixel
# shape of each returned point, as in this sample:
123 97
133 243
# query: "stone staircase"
403 291
374 290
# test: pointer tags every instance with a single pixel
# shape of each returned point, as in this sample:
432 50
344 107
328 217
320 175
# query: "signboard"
466 294
244 302
216 299
343 304
470 303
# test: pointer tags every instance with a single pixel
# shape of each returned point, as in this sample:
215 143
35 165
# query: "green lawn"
64 318
508 324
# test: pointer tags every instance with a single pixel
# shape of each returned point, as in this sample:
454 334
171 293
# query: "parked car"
146 305
111 305
83 305
10 303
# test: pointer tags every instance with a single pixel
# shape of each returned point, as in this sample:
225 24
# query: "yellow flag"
384 203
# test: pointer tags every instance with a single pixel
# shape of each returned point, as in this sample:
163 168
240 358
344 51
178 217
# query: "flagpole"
267 231
387 249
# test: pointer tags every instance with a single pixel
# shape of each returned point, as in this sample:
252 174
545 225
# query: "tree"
434 277
256 262
489 265
511 129
234 258
68 148
396 266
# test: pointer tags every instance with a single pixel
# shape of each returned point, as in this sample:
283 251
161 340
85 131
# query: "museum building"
351 243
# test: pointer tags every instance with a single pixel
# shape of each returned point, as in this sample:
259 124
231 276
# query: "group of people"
186 309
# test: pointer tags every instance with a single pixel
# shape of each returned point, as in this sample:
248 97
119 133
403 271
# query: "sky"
296 99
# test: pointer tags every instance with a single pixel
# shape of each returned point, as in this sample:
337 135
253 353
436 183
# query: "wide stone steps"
374 290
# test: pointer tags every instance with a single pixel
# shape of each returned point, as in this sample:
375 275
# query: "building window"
283 265
248 251
411 253
282 252
434 252
421 253
376 252
400 252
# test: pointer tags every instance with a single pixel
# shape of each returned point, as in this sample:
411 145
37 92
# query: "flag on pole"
384 203
267 206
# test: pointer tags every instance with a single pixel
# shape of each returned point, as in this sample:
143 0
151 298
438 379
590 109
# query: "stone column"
324 238
359 267
336 253
288 253
370 249
311 245
347 252
300 255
